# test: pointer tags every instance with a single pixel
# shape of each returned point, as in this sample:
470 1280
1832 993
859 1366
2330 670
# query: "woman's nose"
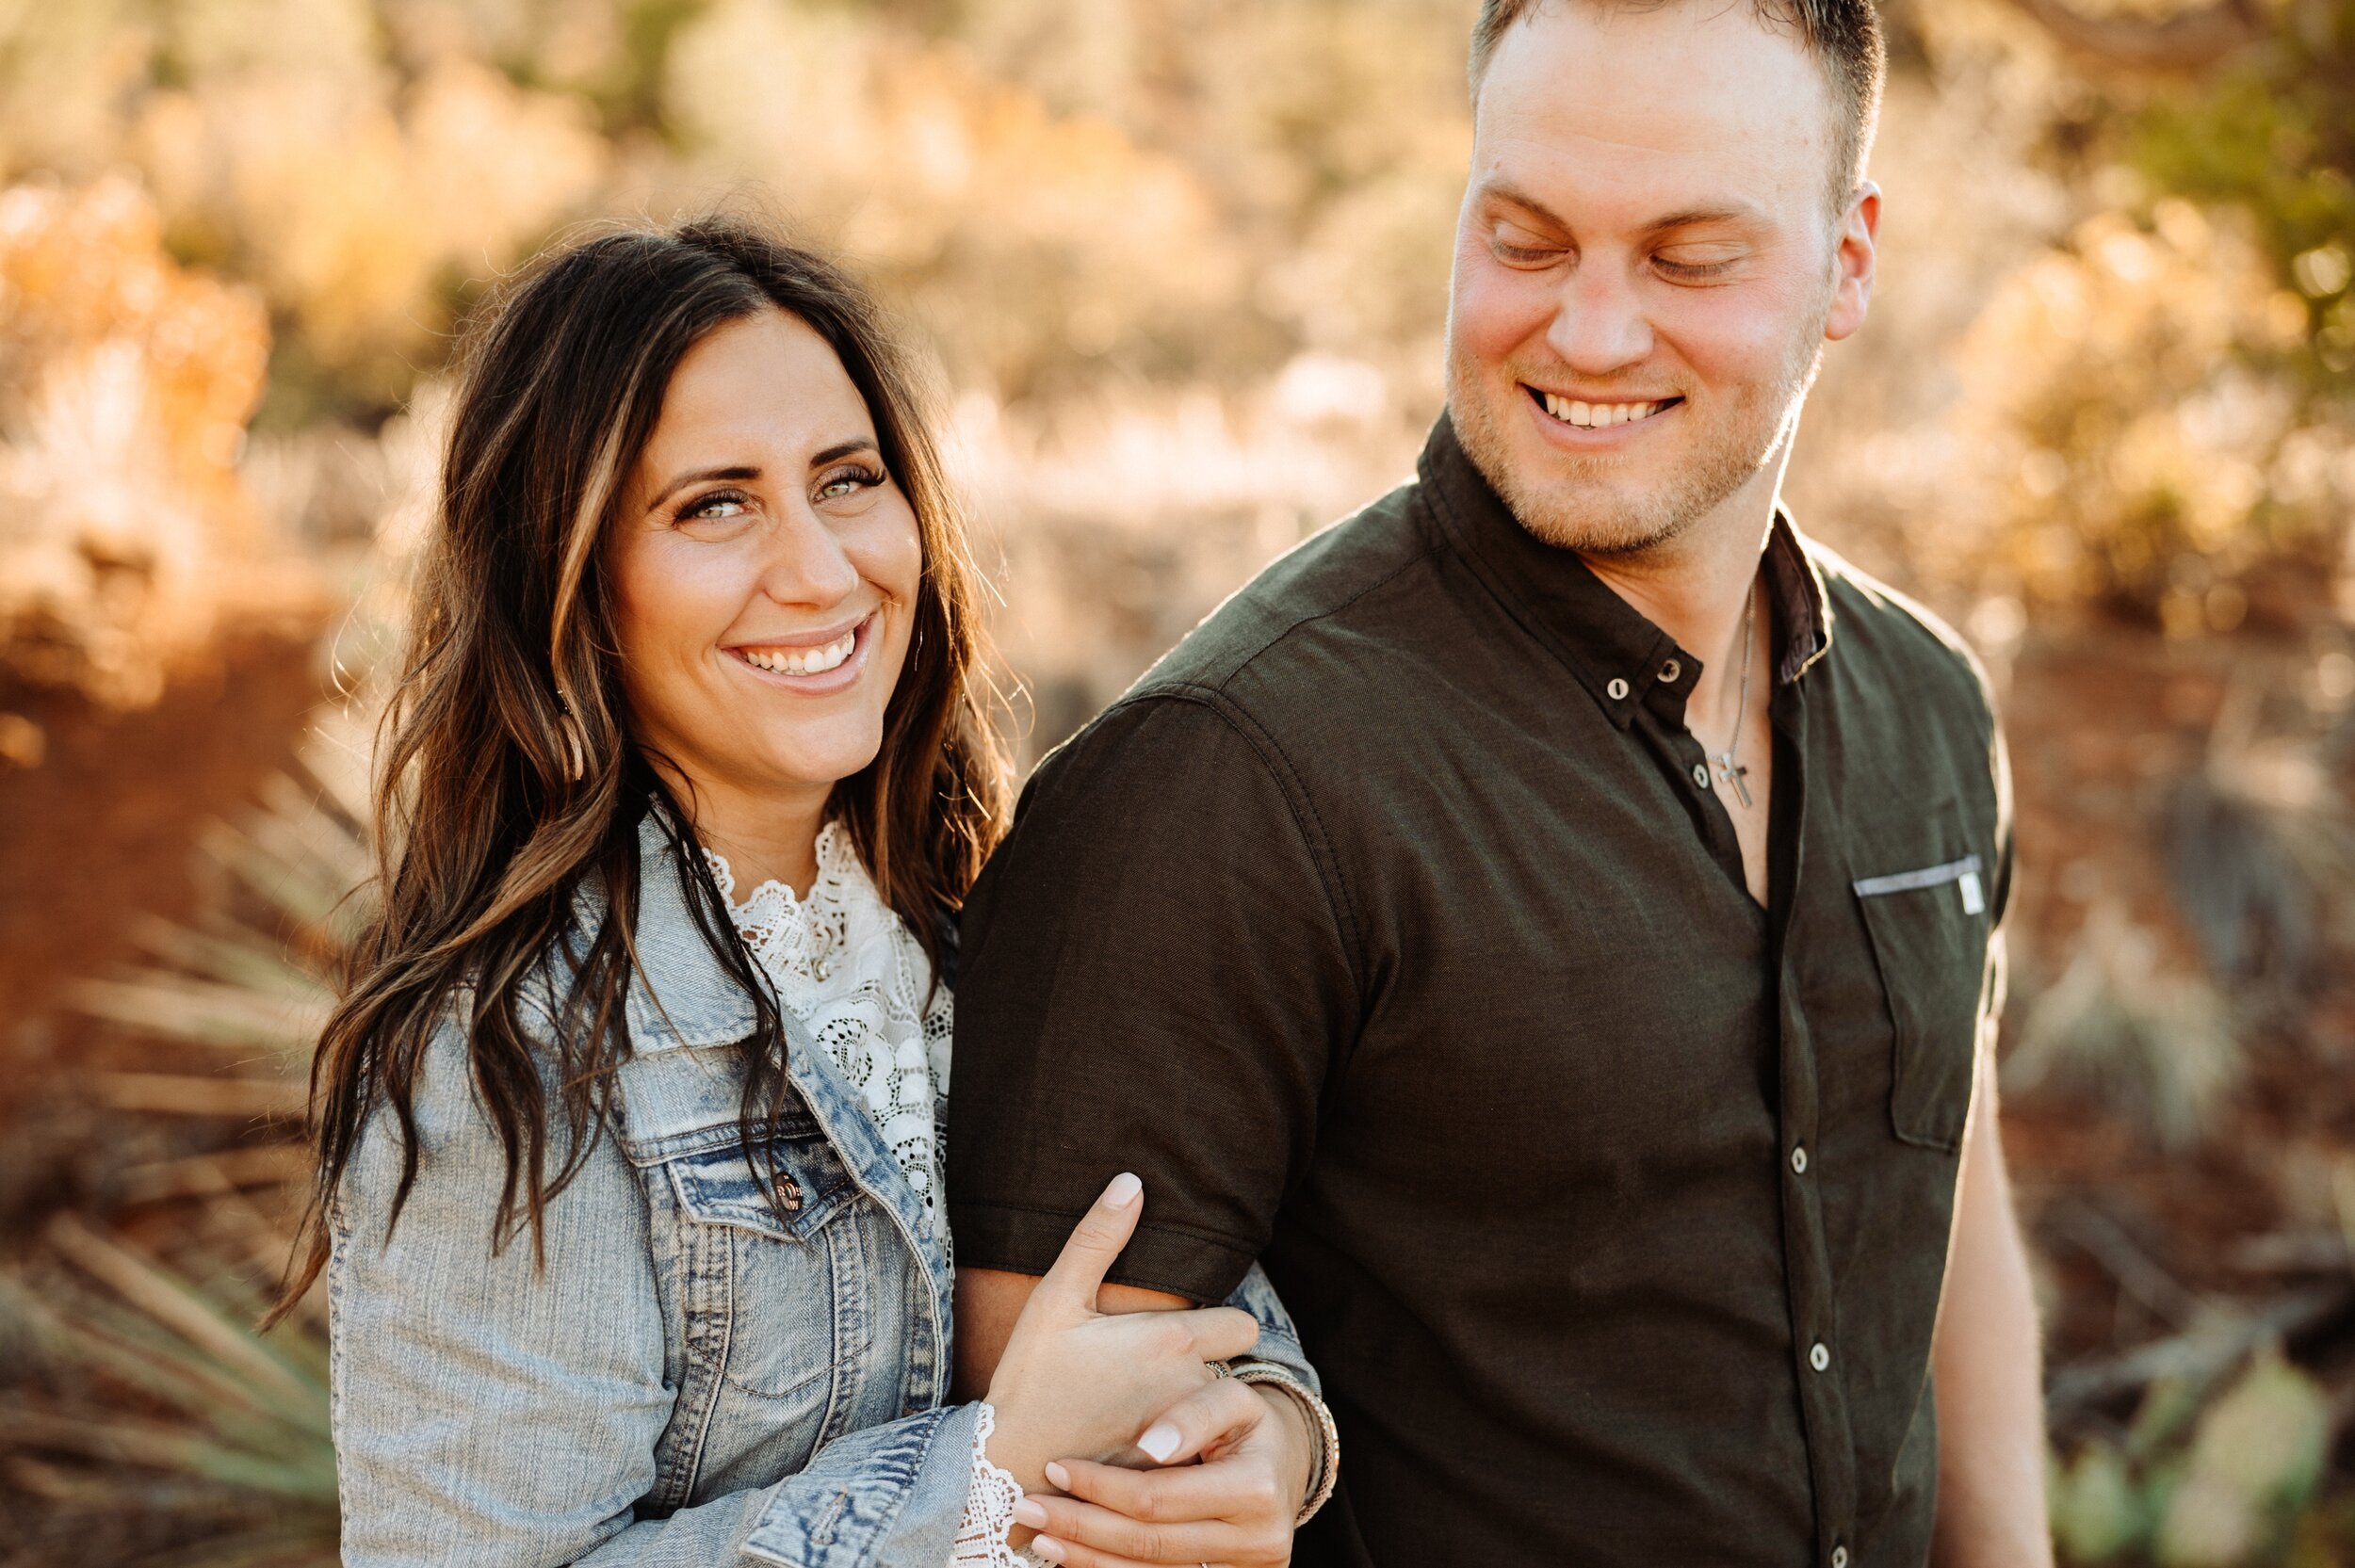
806 562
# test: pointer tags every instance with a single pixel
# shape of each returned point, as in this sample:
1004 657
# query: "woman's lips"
809 667
802 661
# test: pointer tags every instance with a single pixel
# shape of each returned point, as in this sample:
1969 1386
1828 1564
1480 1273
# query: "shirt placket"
1821 1369
1818 1367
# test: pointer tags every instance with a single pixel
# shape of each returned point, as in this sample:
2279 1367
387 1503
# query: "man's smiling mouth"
1596 416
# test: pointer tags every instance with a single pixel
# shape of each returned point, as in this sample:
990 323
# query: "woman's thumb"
1095 1242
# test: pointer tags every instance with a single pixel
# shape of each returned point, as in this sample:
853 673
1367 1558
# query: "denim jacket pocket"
769 1293
720 1186
1929 925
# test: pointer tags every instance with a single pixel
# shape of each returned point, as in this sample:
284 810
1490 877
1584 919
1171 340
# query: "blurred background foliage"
1181 265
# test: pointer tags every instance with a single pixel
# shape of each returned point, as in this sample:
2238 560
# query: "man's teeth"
802 661
1599 416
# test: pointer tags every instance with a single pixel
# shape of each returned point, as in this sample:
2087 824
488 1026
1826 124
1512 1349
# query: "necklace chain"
1729 770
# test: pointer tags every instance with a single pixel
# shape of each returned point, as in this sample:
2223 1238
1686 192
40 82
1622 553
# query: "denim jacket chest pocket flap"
1925 911
681 1114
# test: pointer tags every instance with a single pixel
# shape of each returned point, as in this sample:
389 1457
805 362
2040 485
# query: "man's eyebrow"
1505 190
1728 212
697 476
1731 212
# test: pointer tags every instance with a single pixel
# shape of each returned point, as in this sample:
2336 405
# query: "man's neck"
1696 586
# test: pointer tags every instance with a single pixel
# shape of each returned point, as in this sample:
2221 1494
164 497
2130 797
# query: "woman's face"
764 568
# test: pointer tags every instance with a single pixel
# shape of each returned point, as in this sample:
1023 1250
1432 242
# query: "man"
1551 917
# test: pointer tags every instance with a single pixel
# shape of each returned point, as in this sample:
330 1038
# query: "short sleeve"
1156 977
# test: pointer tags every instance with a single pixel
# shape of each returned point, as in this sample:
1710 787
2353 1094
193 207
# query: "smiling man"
1551 918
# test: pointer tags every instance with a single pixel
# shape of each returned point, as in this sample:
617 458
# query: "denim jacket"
693 1379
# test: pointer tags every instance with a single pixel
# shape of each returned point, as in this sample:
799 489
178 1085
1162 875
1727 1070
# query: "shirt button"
1618 690
1701 775
1819 1357
1671 671
1840 1557
1798 1160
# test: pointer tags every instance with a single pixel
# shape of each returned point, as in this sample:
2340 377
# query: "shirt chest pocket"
1929 922
767 1294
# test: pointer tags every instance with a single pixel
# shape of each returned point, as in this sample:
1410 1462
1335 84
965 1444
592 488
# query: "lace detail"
989 1509
794 937
851 972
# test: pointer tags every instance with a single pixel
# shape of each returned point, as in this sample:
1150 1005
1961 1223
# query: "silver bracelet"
1328 1466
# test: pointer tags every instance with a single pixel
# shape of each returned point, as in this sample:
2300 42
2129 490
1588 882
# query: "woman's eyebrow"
697 476
839 450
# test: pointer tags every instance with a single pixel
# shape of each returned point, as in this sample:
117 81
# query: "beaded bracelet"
1328 1466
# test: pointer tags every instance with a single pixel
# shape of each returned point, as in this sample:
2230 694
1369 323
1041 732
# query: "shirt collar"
1612 647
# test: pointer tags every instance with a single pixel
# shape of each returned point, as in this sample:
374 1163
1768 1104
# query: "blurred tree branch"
2188 40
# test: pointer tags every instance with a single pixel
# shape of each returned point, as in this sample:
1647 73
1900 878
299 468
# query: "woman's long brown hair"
509 784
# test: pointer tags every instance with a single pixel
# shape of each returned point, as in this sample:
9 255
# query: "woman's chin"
810 757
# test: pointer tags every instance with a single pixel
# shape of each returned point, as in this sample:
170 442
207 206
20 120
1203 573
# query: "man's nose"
806 562
1599 327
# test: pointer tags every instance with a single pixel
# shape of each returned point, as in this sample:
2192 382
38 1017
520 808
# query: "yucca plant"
147 1410
161 1422
250 984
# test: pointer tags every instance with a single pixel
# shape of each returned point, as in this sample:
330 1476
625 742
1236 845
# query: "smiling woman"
696 618
766 573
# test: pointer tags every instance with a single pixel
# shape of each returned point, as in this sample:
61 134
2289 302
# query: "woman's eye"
847 481
722 506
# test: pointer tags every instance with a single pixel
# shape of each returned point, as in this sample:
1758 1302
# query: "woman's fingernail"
1048 1548
1161 1440
1029 1514
1123 1191
1057 1477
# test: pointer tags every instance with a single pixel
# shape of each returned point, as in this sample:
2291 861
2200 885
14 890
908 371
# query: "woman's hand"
1234 1508
1078 1381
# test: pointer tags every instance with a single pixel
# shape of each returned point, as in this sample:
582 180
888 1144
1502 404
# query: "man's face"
1646 267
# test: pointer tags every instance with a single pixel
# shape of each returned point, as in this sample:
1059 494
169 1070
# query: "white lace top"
855 976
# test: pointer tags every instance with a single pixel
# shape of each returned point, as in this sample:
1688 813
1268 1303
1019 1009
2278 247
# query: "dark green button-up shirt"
1391 930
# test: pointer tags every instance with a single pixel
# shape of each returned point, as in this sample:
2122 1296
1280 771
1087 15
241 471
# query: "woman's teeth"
802 661
1600 417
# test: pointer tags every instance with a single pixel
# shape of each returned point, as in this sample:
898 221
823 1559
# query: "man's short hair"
1844 35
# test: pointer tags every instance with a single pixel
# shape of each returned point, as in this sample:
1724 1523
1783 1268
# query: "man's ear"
1854 257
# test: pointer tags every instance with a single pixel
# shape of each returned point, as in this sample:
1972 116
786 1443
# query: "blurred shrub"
358 213
2221 1486
2274 134
126 382
2131 451
2150 1044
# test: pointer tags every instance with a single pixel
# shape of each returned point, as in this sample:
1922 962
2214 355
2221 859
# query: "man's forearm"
1986 1368
989 1301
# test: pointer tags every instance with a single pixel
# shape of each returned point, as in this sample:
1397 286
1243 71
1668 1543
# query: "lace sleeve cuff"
989 1509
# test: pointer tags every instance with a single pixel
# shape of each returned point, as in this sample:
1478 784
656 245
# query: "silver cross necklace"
1729 770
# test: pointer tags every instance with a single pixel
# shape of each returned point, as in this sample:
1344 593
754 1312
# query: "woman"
630 1124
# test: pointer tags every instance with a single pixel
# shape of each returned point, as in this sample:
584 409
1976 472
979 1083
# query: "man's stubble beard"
1595 517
